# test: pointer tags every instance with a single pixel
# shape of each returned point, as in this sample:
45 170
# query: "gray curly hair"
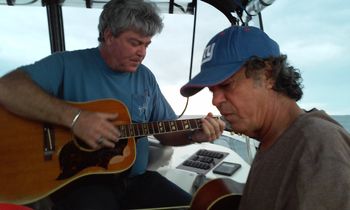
288 80
137 15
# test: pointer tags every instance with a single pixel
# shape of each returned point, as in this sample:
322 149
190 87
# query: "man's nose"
218 97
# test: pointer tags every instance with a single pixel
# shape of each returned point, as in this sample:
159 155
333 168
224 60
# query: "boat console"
192 165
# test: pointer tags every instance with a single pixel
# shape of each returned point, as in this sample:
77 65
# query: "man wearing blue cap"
113 70
303 157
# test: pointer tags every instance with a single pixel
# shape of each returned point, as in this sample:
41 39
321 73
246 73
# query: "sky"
314 34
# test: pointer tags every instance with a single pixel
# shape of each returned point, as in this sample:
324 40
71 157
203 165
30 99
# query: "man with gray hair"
113 70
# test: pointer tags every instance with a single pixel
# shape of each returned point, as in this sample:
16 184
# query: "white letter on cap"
208 53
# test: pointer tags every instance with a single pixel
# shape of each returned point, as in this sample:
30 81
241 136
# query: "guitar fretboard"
145 129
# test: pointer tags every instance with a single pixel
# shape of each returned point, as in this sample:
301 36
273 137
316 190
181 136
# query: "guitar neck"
161 127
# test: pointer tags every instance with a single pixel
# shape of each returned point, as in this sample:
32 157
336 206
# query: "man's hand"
96 129
212 129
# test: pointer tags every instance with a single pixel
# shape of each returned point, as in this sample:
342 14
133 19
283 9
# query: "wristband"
75 119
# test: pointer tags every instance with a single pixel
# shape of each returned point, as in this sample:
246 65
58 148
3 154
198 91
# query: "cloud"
172 48
79 20
199 104
314 35
300 50
22 43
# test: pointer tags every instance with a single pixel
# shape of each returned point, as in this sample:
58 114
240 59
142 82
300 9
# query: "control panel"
202 161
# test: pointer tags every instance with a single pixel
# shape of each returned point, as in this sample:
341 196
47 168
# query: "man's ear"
270 81
107 35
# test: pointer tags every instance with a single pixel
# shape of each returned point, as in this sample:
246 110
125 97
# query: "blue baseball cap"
227 52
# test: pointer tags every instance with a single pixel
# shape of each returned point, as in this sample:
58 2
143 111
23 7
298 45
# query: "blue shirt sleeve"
47 73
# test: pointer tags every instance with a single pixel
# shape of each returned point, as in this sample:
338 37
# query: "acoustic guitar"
38 159
217 194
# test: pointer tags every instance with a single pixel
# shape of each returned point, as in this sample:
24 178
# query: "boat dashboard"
193 165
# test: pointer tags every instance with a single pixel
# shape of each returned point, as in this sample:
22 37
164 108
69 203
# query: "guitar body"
29 173
217 194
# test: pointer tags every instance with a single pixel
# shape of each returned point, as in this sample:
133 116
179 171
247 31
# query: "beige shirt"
308 168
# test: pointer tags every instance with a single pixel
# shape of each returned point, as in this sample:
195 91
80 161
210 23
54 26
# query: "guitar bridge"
48 142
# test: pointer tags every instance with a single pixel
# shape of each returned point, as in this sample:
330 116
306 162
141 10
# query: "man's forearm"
20 95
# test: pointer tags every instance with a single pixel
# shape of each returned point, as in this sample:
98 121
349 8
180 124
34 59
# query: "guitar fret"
179 125
167 126
145 129
131 130
161 127
122 130
139 129
155 127
126 131
193 124
151 128
199 123
186 124
135 129
173 126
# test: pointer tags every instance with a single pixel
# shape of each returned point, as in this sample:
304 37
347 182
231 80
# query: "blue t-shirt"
82 75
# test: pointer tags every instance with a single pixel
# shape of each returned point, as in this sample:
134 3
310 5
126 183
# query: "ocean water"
344 120
241 147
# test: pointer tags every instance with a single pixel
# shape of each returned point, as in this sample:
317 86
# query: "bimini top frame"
234 10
